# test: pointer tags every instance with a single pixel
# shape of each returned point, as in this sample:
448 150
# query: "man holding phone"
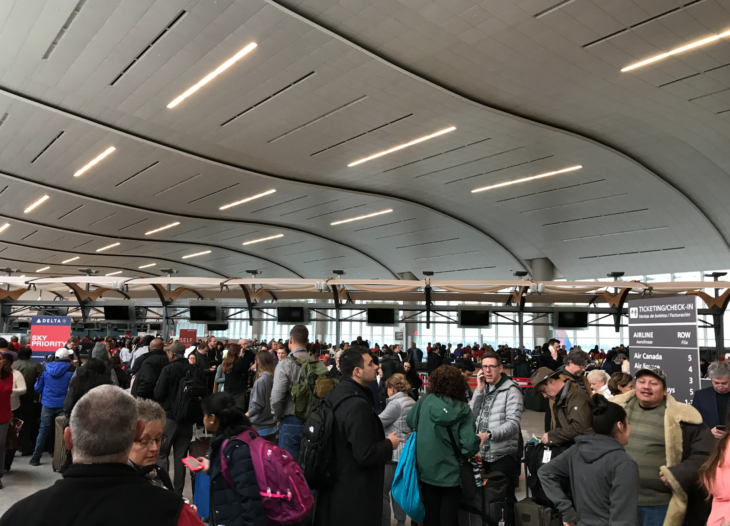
497 406
712 402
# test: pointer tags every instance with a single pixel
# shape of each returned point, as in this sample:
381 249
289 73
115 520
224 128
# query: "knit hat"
99 352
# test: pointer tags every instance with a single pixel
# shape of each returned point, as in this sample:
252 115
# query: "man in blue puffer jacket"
52 386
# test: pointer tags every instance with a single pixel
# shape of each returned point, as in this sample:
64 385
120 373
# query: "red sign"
49 333
188 336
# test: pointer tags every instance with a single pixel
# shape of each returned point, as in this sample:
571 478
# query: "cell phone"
193 464
721 427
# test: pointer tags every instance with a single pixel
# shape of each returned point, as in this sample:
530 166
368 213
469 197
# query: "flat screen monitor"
155 326
473 318
292 315
382 317
217 327
203 313
570 320
117 312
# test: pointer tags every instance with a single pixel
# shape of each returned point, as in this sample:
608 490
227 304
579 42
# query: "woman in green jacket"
443 409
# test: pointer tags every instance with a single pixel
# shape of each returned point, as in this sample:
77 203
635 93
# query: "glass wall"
503 330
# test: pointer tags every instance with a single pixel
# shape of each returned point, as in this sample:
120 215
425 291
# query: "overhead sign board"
663 333
49 333
188 336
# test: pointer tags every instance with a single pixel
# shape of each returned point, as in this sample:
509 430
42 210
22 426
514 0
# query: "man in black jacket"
360 448
148 369
434 360
176 435
204 359
100 487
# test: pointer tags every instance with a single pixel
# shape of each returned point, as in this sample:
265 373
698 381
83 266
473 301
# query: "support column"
257 331
408 327
542 270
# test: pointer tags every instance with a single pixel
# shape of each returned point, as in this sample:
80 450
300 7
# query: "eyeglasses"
147 442
491 367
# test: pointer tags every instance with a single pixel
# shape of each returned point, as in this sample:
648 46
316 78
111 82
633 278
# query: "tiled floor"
25 479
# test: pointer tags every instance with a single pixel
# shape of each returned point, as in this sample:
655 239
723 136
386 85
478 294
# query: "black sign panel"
663 333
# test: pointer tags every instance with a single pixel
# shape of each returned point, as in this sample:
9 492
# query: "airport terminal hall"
364 262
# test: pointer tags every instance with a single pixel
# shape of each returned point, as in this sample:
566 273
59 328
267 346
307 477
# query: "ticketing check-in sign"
663 333
49 333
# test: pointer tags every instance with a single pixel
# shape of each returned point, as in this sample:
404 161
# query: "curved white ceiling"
309 103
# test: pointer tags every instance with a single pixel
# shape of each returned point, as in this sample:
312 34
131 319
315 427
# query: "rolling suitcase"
530 513
487 508
59 447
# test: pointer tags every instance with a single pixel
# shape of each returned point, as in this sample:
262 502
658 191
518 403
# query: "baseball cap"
622 355
654 371
63 353
541 375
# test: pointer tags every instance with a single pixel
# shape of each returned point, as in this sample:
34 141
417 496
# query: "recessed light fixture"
162 228
548 174
6 225
263 239
675 51
37 203
196 254
210 76
97 159
114 273
400 147
69 260
109 246
358 218
148 265
246 200
42 269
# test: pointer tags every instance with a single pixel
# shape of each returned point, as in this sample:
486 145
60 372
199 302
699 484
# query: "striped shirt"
648 449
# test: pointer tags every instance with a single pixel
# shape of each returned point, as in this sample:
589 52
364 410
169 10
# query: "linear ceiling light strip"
69 260
197 254
358 218
95 161
162 228
210 76
108 246
682 49
548 174
42 269
6 225
36 204
402 146
277 236
269 192
148 265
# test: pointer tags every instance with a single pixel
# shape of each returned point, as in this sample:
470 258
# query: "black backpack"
534 460
190 393
317 450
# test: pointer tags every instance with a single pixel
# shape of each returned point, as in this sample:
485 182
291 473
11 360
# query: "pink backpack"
282 487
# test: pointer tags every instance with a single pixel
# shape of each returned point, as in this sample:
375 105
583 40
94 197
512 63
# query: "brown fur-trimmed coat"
689 443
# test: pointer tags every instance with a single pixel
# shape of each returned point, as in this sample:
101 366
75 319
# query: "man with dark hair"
361 449
551 359
4 349
433 361
467 370
576 362
100 487
176 435
286 375
497 406
142 349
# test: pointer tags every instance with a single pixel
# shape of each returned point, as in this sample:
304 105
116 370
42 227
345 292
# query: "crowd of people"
627 452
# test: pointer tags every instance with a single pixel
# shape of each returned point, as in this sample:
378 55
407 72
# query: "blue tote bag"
405 483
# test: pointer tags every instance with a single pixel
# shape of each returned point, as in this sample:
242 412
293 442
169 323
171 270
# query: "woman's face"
144 452
280 354
211 423
628 387
407 366
192 359
391 392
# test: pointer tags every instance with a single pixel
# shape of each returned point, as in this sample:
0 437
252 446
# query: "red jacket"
6 389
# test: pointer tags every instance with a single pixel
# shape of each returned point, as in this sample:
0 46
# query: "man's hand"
206 464
394 440
213 368
544 439
483 437
718 433
664 480
481 382
570 523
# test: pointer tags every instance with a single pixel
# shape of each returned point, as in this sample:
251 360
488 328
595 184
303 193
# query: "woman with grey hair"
144 452
598 380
